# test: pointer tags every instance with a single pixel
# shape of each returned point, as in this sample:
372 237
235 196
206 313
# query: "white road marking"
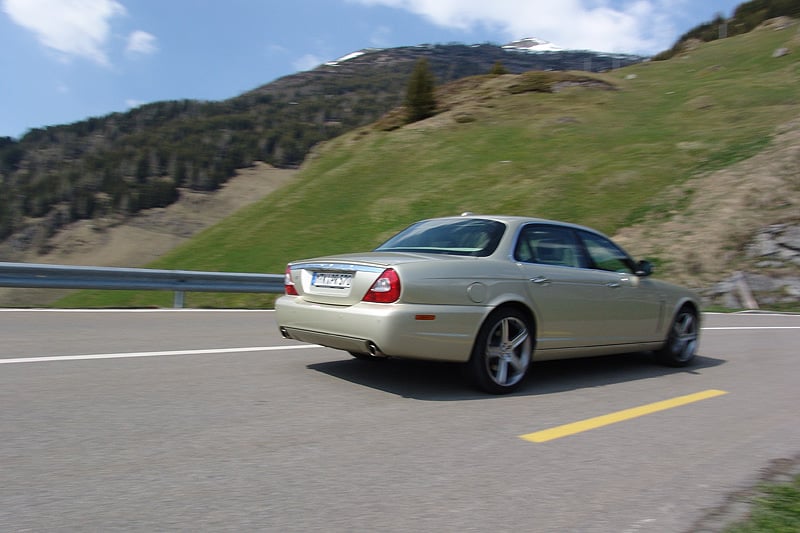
85 357
742 328
48 359
160 310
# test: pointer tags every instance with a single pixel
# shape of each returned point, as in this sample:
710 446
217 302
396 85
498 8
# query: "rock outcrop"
775 253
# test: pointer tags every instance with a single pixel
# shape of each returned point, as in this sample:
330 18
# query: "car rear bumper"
442 333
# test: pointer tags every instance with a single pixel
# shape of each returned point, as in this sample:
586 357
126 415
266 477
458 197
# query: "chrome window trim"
337 267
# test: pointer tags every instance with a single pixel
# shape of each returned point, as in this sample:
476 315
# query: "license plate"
332 280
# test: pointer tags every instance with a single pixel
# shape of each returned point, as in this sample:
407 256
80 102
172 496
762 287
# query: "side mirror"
644 269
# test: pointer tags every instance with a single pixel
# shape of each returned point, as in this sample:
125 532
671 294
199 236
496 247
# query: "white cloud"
639 26
71 27
141 42
307 62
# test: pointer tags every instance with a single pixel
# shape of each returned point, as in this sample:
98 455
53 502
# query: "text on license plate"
331 279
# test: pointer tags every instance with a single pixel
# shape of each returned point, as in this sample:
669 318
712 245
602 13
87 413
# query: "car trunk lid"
344 279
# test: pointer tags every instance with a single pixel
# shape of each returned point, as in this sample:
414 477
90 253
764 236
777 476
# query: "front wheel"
502 352
681 344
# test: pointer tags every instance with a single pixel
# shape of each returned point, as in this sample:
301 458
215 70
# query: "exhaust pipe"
284 333
374 351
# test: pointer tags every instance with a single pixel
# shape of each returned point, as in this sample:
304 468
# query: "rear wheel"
502 352
681 344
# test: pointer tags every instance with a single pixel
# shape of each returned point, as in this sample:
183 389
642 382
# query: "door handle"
613 285
540 280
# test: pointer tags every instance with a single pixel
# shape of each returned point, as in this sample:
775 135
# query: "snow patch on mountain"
350 56
528 44
532 44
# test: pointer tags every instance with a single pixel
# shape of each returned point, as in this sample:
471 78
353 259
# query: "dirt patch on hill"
138 240
708 221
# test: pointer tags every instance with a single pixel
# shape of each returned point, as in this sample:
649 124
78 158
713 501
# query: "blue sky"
66 60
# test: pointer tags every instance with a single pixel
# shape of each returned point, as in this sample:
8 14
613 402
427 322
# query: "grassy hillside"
585 153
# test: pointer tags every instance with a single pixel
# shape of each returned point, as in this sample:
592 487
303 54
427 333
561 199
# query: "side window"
606 255
549 245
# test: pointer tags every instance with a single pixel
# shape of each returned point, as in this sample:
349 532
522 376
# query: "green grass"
776 511
585 155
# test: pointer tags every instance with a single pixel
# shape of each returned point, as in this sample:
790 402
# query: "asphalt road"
204 420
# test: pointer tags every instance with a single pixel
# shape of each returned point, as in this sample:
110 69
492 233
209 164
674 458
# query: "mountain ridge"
119 164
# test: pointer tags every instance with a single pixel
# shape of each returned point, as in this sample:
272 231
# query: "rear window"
475 237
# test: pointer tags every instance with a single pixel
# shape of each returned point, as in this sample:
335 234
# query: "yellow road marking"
612 418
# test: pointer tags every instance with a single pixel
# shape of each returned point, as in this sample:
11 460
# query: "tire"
681 344
502 352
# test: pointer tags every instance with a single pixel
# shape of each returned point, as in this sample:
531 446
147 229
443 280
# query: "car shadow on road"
436 381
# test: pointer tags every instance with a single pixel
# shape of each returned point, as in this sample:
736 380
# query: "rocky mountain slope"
744 218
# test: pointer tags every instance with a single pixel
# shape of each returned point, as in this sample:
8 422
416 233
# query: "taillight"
386 288
288 284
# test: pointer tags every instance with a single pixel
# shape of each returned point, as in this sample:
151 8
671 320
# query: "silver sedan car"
492 292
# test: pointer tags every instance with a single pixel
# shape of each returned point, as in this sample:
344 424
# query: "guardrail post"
179 300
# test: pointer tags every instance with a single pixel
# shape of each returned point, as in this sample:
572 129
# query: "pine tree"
420 100
498 69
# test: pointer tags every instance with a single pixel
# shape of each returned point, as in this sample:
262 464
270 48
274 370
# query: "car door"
568 297
632 308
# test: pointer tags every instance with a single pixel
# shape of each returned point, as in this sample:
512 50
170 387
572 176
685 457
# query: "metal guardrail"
31 275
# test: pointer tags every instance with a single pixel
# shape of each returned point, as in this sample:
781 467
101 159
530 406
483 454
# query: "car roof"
516 220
